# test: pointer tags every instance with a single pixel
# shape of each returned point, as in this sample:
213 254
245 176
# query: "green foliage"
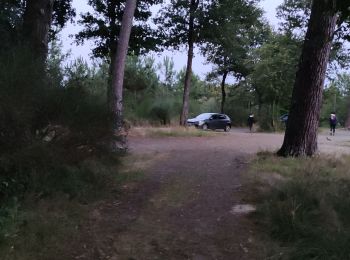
49 169
145 98
103 26
9 220
79 102
274 72
53 134
148 99
307 207
342 83
30 108
173 21
199 89
146 107
45 230
274 67
336 98
62 12
55 63
228 34
161 111
239 104
295 15
166 69
11 12
140 74
92 79
21 95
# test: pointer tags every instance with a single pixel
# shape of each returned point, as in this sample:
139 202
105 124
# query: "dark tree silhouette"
179 22
118 75
301 132
36 26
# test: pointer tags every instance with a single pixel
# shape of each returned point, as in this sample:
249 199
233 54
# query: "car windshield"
204 116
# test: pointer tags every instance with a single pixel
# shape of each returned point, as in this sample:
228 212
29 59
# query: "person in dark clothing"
251 121
332 123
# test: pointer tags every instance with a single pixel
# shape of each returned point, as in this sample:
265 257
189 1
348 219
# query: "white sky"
199 67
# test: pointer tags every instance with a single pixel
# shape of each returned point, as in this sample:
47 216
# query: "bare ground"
183 208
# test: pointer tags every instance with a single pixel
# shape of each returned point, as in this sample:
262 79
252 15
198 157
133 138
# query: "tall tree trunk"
260 102
223 92
273 125
118 76
188 76
301 133
347 121
113 42
36 26
111 69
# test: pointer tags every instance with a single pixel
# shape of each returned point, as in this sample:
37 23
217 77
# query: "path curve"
183 207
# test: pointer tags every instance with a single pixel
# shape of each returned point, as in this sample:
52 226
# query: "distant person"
251 121
332 123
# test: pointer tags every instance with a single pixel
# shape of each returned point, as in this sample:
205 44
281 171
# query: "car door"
214 121
222 121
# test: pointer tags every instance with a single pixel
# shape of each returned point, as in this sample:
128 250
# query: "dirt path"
183 207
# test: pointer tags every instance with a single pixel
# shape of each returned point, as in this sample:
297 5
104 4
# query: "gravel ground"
186 206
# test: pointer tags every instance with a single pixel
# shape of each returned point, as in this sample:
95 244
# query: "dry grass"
51 226
304 204
171 132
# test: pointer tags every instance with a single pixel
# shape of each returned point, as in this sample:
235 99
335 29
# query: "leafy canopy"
103 26
231 28
173 22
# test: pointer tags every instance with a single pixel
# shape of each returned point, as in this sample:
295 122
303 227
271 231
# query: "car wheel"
227 128
205 127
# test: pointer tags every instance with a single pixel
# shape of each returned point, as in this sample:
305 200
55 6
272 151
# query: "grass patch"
307 205
46 229
174 194
49 218
174 132
130 176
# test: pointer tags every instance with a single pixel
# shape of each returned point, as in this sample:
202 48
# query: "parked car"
211 121
284 118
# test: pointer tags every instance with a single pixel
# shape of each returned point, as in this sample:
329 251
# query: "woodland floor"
182 207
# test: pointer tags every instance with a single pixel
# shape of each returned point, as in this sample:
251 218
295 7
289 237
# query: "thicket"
153 98
54 131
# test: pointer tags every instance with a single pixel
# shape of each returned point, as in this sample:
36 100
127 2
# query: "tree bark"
111 69
188 76
118 77
301 132
113 42
347 121
36 26
223 92
259 100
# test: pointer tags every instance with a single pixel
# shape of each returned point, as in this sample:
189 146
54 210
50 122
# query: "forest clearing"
183 206
182 194
109 156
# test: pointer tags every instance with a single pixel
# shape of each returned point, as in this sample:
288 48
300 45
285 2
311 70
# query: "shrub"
52 138
308 210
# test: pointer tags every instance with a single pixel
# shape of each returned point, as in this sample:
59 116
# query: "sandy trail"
183 207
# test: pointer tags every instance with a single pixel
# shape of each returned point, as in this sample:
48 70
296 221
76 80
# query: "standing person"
251 121
332 123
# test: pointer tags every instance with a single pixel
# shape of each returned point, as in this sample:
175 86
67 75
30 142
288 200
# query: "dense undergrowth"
54 158
304 204
51 205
